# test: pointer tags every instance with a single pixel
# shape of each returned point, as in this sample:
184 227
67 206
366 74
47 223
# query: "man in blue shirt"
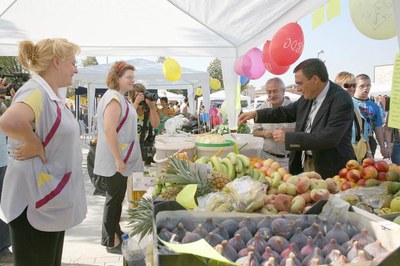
371 112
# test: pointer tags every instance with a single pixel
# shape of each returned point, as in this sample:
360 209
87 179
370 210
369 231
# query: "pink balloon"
287 44
242 64
257 68
269 64
213 112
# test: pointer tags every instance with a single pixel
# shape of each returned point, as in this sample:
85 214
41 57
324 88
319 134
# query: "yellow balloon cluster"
172 70
215 84
374 18
199 91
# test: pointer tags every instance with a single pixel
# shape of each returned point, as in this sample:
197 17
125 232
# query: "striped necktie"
307 129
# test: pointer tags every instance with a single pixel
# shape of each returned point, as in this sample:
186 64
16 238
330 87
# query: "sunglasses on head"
349 85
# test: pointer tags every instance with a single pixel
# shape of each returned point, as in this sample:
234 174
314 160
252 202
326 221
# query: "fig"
270 262
299 237
265 222
245 234
165 235
237 243
188 222
230 225
190 237
250 249
249 260
361 257
167 224
209 225
264 232
350 229
308 248
292 248
353 252
282 227
228 252
258 243
338 233
375 248
305 221
213 239
268 253
180 231
290 260
316 254
251 226
200 231
278 243
312 230
320 241
363 238
221 231
331 246
334 255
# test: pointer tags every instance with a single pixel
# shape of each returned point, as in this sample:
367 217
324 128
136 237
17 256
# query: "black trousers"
32 247
373 145
116 189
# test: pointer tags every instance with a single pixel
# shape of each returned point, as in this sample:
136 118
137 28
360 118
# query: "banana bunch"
233 165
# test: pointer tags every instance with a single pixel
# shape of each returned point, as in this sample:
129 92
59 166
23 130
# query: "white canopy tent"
148 73
224 29
293 97
171 96
221 96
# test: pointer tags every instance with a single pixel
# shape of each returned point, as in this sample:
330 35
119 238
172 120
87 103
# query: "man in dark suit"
323 116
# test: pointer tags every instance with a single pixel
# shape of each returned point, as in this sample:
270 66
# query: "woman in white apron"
43 191
118 150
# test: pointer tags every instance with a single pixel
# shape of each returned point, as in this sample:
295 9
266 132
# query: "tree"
10 65
89 61
215 71
161 59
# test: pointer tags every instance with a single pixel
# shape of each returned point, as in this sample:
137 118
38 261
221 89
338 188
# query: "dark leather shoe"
115 250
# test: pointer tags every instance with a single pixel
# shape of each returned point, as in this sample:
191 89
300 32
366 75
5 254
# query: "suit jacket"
330 136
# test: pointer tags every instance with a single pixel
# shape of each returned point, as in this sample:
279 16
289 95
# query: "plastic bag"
247 194
217 201
174 124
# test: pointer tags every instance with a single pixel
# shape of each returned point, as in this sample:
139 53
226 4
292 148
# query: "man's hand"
247 116
279 135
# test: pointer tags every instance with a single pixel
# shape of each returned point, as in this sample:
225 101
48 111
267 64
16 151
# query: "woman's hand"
120 165
151 104
138 99
27 151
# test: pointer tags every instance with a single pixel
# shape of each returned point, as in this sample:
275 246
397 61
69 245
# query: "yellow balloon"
215 84
374 18
172 70
199 91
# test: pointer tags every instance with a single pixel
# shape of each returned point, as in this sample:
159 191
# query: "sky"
344 49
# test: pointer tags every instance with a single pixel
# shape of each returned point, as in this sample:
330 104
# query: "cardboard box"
386 231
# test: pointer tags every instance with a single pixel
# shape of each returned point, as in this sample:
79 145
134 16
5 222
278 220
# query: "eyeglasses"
349 85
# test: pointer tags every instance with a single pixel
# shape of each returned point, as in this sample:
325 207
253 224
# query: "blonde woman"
43 192
347 81
118 149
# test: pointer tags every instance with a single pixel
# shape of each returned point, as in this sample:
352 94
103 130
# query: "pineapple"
170 192
181 172
218 181
141 218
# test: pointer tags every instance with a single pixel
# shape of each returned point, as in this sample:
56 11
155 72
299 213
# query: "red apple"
352 164
368 161
369 172
381 166
382 176
343 172
361 182
353 175
348 184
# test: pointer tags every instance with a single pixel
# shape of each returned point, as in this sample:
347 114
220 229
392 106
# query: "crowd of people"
41 185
